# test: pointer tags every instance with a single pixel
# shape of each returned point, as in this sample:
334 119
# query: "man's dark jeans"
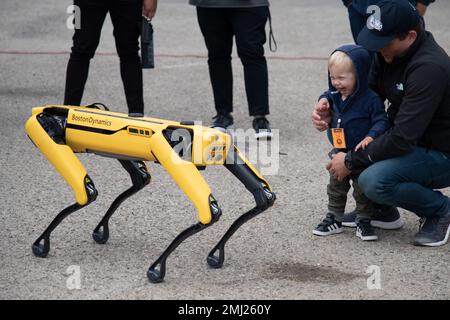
409 182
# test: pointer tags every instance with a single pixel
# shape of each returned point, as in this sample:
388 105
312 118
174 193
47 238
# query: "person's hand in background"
149 8
421 8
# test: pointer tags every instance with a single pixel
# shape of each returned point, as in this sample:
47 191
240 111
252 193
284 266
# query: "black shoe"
365 231
433 231
328 226
222 122
262 128
389 220
349 219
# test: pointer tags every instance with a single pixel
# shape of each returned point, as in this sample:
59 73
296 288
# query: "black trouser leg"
218 34
249 28
126 16
357 22
85 42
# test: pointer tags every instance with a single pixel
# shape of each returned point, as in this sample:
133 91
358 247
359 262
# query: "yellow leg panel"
61 157
185 174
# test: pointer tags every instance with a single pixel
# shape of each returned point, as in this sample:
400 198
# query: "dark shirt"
417 87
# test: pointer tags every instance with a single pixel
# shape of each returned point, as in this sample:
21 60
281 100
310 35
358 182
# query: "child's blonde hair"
340 58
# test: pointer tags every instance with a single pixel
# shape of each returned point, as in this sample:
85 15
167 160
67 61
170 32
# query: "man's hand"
421 8
321 116
149 8
337 167
364 143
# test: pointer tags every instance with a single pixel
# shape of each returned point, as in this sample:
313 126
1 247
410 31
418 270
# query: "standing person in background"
126 17
220 21
357 12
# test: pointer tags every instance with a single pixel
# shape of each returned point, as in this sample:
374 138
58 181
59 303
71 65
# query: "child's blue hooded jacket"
362 114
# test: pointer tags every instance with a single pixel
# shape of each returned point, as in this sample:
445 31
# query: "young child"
358 118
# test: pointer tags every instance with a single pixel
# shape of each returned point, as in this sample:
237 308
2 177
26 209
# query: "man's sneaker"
262 128
222 122
365 231
328 226
433 231
389 220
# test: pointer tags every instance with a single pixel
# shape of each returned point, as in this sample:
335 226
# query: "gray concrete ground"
275 256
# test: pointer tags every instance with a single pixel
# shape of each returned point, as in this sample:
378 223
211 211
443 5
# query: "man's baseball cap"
394 18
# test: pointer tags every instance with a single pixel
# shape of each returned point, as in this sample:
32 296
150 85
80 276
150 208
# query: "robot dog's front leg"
140 178
188 178
262 192
47 133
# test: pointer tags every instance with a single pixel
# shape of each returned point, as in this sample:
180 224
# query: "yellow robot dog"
61 131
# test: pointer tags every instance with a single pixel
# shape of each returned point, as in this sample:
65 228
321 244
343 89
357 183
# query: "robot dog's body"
61 131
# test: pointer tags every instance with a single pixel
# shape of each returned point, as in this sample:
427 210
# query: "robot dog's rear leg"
264 198
140 178
157 270
41 246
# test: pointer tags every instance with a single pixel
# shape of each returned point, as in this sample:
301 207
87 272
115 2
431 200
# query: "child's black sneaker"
349 219
328 226
365 231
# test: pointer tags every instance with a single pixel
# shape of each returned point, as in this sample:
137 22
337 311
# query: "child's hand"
321 115
364 143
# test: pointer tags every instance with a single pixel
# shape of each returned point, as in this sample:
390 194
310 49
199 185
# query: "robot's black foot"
99 237
41 249
214 261
101 234
155 276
